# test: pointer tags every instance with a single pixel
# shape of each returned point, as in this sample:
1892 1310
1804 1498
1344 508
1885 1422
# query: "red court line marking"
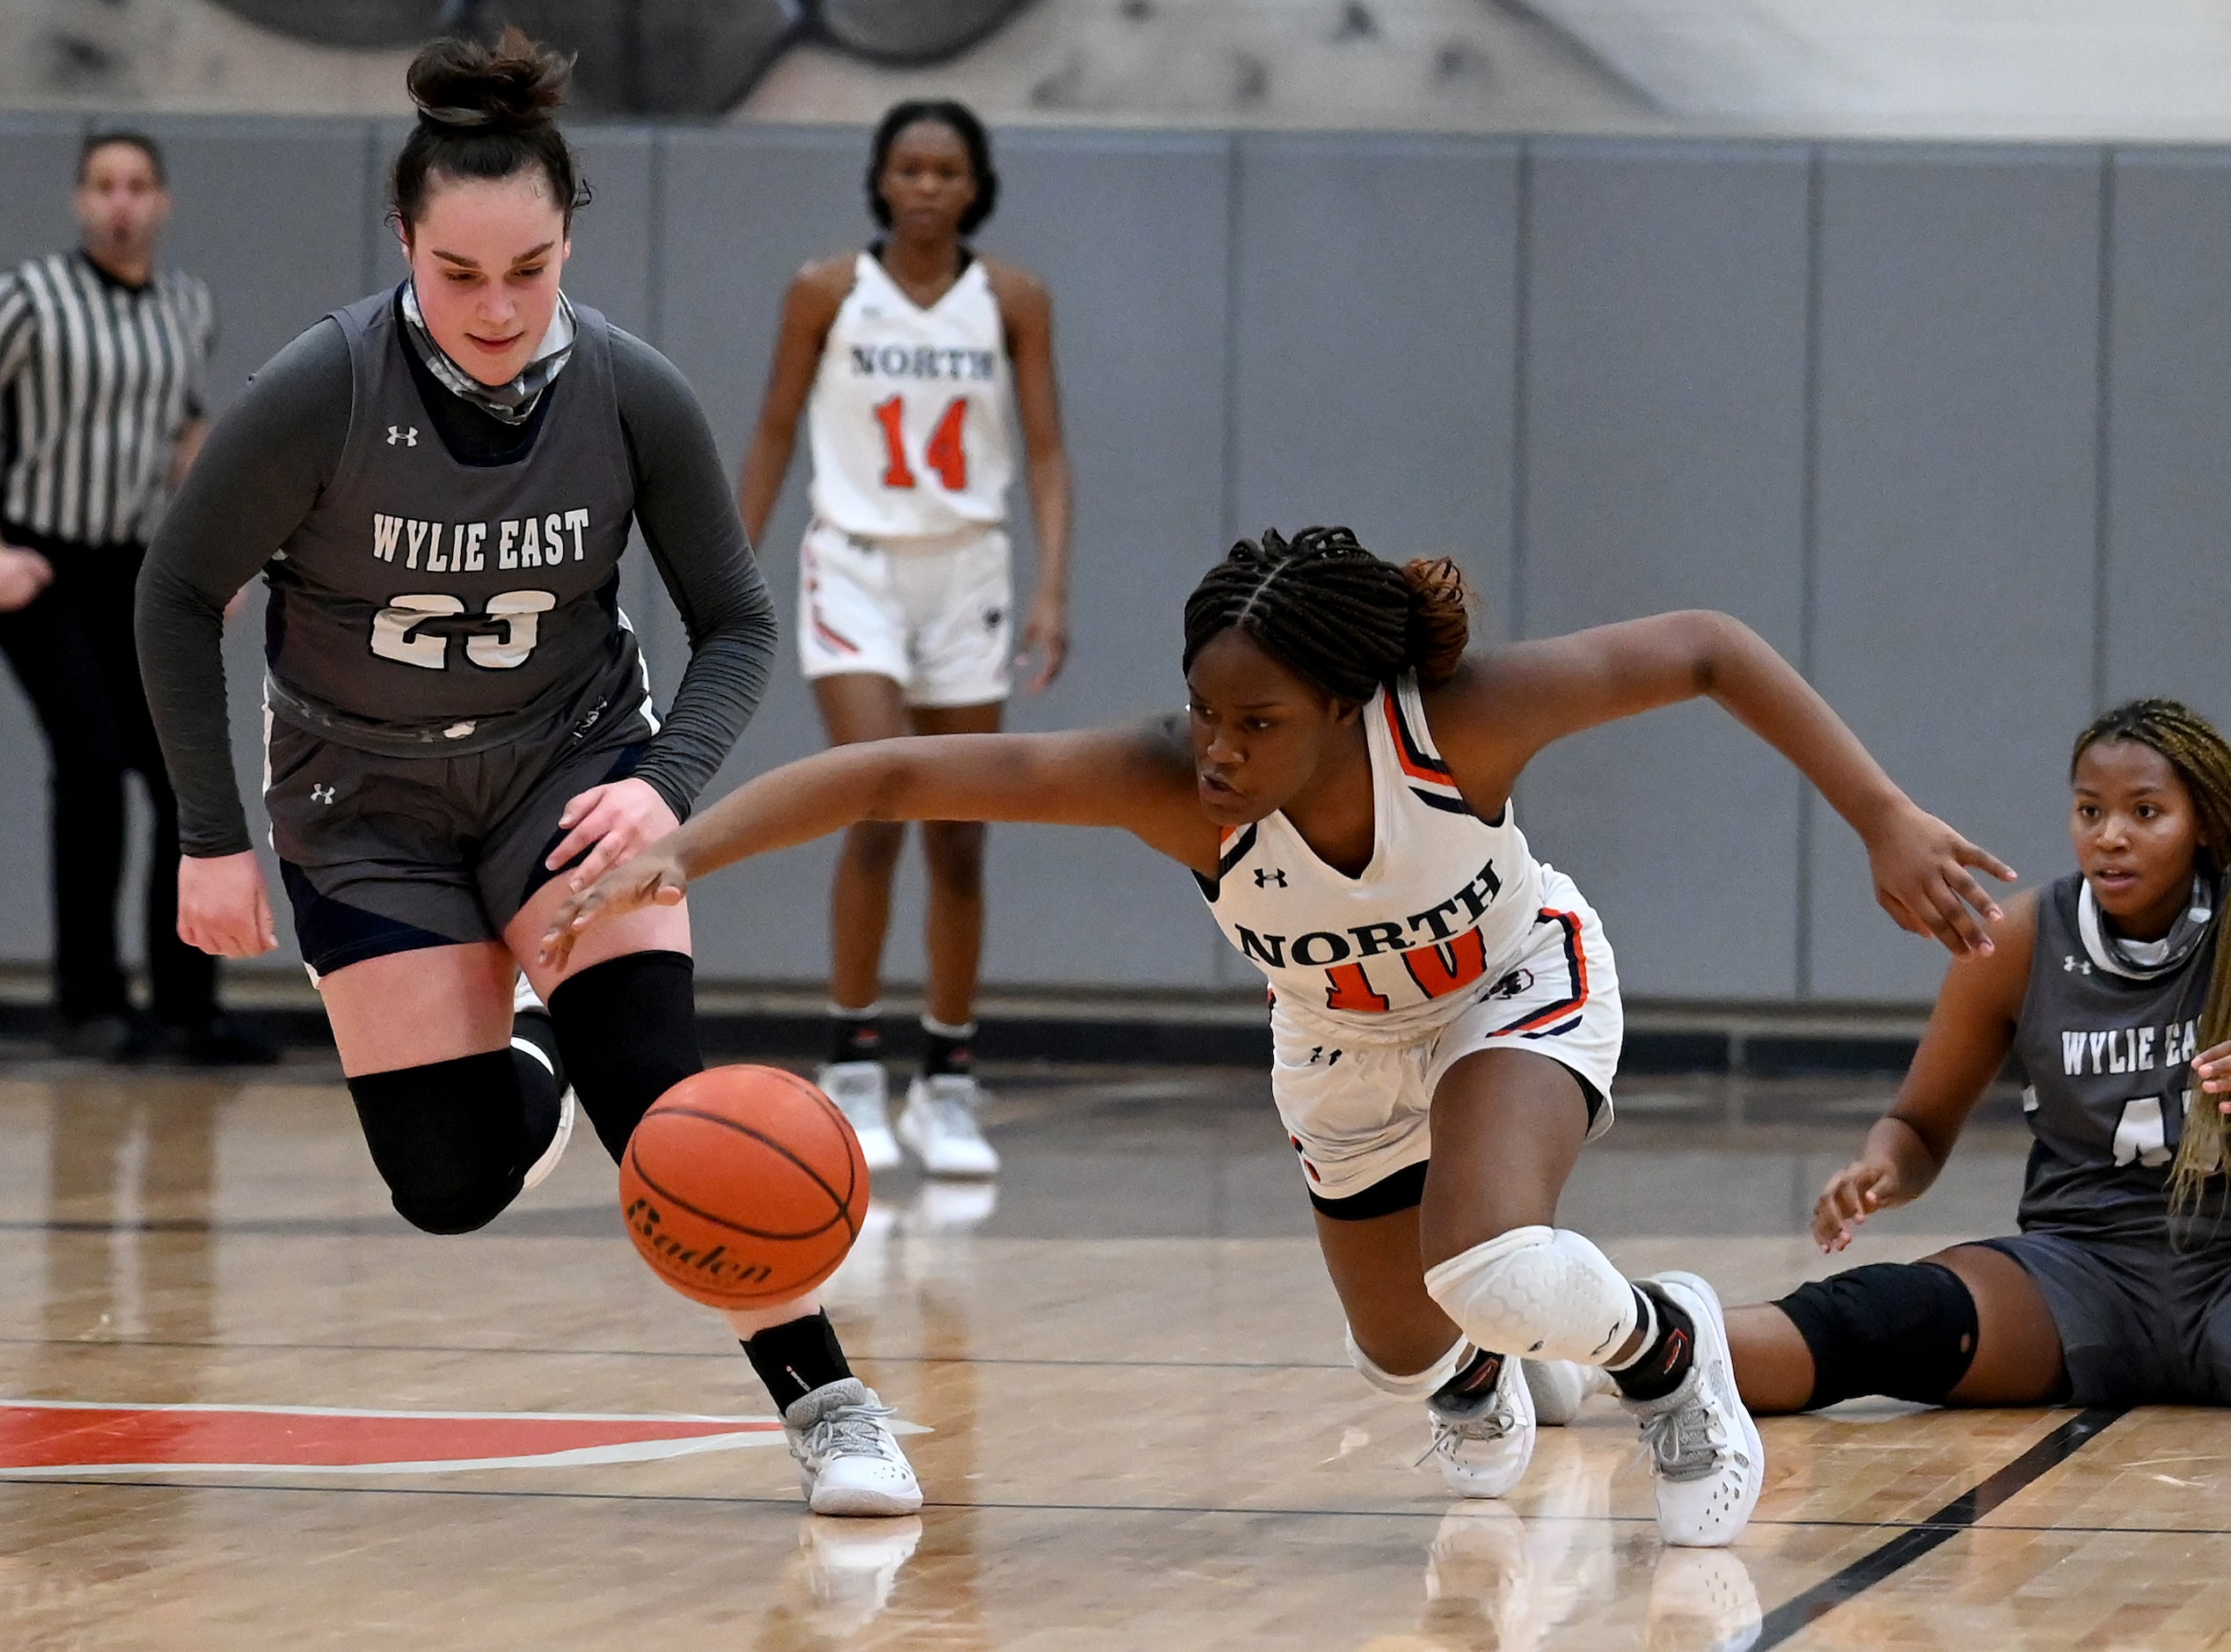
53 1437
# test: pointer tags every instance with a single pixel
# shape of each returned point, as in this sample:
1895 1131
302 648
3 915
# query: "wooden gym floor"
1143 1432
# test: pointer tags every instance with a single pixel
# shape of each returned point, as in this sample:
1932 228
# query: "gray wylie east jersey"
2107 1056
427 604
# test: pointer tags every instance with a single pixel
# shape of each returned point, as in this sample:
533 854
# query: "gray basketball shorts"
386 854
2140 1324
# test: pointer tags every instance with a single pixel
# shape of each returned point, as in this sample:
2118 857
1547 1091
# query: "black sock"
854 1035
1656 1372
1475 1379
796 1357
947 1050
541 1084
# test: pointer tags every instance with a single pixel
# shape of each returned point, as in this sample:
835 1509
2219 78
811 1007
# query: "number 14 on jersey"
944 455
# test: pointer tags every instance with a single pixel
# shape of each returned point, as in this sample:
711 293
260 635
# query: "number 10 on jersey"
944 455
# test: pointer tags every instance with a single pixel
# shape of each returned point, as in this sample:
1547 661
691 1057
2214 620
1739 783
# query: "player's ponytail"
1342 619
486 112
1440 627
2202 760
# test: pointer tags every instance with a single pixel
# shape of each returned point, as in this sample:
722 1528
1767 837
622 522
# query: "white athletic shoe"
849 1570
1482 1448
524 1002
1704 1599
1703 1447
849 1461
1560 1388
939 1123
862 1093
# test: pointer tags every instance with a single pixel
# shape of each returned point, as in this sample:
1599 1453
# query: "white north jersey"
909 419
1447 907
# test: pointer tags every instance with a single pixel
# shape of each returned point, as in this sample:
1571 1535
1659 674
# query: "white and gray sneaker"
1560 1388
849 1461
1704 1449
1483 1445
862 1093
938 1124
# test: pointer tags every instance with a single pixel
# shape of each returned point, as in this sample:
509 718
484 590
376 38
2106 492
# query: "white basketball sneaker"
861 1091
849 1461
939 1122
1560 1388
524 1001
1482 1444
1703 1447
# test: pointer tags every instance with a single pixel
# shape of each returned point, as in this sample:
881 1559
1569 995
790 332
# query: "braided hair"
1344 620
2202 759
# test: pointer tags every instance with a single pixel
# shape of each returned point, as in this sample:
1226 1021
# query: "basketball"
743 1187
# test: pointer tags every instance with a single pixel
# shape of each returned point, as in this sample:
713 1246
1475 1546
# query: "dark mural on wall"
655 57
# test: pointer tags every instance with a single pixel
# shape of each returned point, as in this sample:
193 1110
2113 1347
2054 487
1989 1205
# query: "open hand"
1045 644
2213 1069
1854 1193
654 878
224 907
612 824
1922 880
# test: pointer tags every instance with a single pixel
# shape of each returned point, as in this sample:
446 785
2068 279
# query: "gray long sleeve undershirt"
261 471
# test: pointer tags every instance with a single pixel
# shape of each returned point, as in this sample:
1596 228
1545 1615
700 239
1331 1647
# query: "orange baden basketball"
743 1187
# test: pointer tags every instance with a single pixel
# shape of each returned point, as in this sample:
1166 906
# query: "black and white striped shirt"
98 381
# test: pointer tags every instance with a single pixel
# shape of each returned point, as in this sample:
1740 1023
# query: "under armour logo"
321 793
2071 964
1264 879
408 438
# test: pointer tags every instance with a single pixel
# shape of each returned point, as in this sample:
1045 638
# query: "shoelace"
954 1115
1684 1442
851 1431
1492 1424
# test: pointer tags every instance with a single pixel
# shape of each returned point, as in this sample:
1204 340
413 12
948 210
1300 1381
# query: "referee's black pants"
72 648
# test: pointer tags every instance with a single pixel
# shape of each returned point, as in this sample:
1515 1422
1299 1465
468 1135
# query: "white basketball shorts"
1358 1113
934 616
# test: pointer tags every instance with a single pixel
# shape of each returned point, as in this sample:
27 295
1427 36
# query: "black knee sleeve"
628 1029
1904 1329
449 1137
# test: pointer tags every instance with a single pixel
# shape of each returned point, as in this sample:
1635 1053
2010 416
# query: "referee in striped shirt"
102 358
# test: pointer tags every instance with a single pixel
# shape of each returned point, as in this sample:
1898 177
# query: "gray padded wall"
1609 391
2167 581
1664 468
36 155
1959 368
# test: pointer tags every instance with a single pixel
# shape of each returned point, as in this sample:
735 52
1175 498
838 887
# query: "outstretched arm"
1140 780
1969 1032
1510 704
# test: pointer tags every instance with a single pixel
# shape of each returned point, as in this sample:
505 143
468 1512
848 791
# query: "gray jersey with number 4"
2106 1055
428 603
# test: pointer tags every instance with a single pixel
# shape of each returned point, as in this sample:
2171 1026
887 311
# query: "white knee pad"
1538 1293
1427 1382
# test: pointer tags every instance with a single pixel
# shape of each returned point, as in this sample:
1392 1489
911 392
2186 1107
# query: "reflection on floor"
1144 1433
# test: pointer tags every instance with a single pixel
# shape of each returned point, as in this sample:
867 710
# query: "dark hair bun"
512 86
1440 628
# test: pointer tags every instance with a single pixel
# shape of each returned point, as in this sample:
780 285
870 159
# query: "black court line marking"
1910 1545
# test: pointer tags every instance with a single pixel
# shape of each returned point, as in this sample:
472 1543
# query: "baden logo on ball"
743 1187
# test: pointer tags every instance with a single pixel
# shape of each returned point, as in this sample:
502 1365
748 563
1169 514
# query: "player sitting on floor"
1447 1019
2102 986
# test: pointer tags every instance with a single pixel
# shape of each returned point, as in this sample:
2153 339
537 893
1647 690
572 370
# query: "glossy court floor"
1142 1430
